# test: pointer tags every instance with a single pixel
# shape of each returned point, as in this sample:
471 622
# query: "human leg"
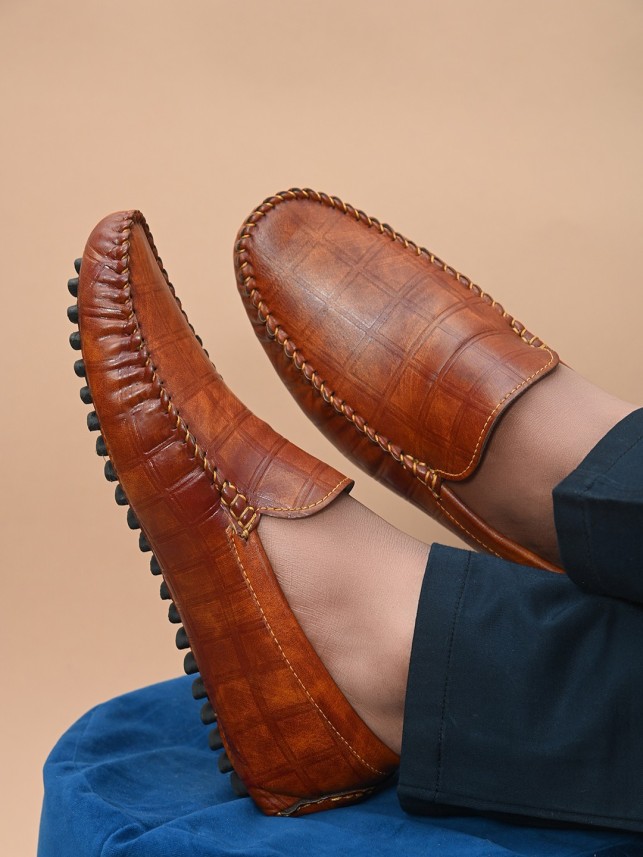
523 692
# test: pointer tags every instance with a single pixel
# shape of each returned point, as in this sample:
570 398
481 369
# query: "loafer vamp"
396 335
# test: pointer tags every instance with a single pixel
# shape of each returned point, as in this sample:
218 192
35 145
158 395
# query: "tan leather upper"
403 362
199 471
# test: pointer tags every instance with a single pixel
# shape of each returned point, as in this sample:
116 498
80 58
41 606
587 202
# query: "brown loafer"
401 361
198 471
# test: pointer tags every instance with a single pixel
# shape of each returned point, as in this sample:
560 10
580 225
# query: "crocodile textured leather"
402 362
199 471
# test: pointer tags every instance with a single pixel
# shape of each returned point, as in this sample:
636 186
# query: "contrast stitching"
165 399
301 508
246 519
383 228
427 475
290 666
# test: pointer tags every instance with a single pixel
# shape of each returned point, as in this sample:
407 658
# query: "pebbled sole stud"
198 689
214 739
237 785
189 664
208 714
110 472
224 764
182 641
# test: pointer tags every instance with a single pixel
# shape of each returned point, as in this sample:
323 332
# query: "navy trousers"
525 691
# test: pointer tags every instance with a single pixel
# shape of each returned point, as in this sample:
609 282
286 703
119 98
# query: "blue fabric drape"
134 778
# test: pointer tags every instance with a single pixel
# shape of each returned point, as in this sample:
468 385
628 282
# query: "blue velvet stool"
135 777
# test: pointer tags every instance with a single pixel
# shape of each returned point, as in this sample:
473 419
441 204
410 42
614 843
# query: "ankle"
353 582
542 437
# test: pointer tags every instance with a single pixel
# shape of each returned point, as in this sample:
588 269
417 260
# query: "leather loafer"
198 472
402 362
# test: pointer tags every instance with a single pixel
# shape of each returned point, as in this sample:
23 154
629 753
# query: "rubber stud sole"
181 640
214 739
224 763
237 784
190 664
198 689
208 714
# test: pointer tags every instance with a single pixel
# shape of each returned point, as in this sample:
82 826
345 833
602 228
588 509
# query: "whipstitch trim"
426 474
243 514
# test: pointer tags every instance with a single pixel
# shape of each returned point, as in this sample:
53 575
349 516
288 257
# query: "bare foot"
353 582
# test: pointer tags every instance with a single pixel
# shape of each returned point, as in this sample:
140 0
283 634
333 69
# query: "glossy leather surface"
403 362
199 470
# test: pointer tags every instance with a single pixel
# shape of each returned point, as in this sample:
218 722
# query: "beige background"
504 135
